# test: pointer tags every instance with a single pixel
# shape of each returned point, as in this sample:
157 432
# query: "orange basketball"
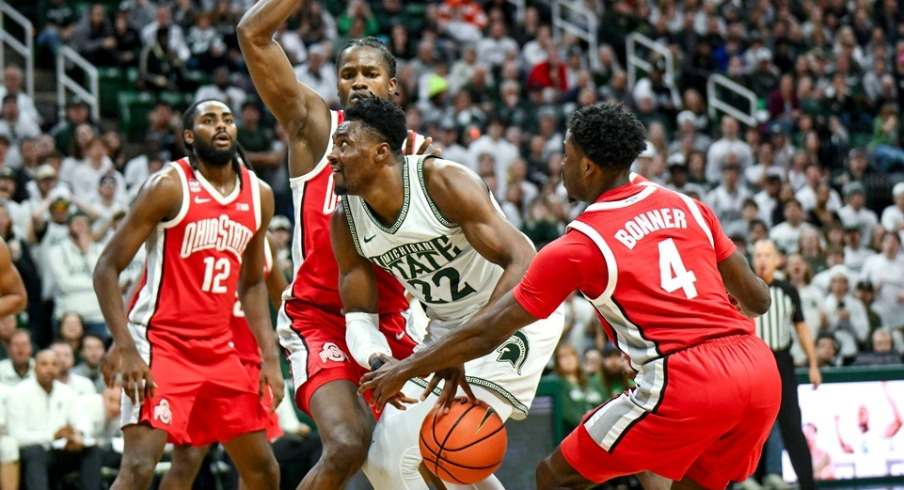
465 445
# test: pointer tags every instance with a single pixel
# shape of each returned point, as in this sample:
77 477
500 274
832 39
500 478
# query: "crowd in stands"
821 173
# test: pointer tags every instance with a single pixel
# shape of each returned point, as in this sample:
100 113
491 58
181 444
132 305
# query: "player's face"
571 170
362 72
214 134
350 157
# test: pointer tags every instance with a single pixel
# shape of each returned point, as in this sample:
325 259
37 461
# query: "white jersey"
430 255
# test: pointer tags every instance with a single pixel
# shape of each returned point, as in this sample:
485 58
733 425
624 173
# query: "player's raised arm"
358 289
300 110
159 200
463 198
252 292
13 297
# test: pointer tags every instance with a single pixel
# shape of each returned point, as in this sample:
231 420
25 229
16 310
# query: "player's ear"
188 136
383 154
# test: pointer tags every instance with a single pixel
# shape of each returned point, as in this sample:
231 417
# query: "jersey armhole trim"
186 200
433 207
608 256
695 211
347 210
255 197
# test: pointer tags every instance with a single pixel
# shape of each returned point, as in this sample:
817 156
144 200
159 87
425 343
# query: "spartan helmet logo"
514 351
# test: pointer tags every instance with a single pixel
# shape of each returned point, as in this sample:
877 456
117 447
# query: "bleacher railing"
24 47
69 57
640 61
563 11
717 103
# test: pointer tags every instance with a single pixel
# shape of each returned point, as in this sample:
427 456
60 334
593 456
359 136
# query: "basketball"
465 445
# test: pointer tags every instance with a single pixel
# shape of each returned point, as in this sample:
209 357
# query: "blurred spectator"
169 37
886 142
768 200
847 318
810 248
7 329
91 355
66 359
358 11
320 74
881 352
730 142
292 44
94 37
9 449
579 393
886 271
46 419
208 51
812 302
493 143
463 20
865 293
496 47
128 40
855 213
70 267
726 199
64 132
161 64
893 216
15 125
224 90
613 373
87 174
808 195
827 349
56 21
20 364
539 223
106 425
141 13
787 233
12 85
317 25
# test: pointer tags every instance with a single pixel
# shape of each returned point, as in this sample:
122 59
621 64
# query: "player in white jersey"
433 225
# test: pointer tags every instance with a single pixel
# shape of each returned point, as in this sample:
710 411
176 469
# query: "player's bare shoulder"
163 189
445 178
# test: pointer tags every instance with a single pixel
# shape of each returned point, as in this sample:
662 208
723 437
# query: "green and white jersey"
429 254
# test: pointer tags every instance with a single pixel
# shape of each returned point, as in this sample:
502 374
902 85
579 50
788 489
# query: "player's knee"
346 454
136 470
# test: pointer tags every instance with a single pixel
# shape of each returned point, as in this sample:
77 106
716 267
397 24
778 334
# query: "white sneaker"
773 481
749 484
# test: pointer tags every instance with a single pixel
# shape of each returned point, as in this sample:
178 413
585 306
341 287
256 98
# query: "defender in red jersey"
203 220
656 265
311 325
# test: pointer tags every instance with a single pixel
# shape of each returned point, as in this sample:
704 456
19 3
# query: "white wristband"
363 337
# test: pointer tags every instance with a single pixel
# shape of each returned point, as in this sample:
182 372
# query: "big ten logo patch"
332 352
163 413
514 351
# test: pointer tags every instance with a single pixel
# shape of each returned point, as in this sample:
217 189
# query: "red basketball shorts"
273 429
315 344
703 412
203 393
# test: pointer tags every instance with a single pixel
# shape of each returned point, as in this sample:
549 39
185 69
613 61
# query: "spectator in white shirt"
15 125
807 194
787 233
88 172
91 355
886 271
175 39
494 49
46 419
20 365
9 449
730 142
12 84
847 318
319 74
855 212
767 199
855 254
726 200
222 89
493 143
66 358
70 266
893 216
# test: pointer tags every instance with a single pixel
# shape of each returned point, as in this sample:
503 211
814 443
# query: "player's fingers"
431 385
425 145
398 402
151 385
129 385
409 150
467 389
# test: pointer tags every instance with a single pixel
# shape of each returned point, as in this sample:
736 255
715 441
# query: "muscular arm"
159 200
462 198
13 297
276 281
742 284
357 284
300 110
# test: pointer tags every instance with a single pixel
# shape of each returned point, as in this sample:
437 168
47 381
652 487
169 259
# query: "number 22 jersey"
194 259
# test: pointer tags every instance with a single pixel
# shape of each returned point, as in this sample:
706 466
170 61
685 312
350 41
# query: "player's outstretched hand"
137 381
424 148
272 377
386 381
454 377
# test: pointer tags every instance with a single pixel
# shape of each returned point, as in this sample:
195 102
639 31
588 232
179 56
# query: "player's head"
209 132
370 137
601 144
365 68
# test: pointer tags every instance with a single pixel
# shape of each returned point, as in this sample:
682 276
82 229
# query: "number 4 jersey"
193 260
647 259
429 255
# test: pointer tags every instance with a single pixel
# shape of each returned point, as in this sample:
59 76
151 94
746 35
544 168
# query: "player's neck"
609 182
386 195
222 178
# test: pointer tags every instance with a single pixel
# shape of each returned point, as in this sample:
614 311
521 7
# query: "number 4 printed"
673 275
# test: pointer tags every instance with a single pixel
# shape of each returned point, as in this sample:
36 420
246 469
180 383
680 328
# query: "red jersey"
646 258
242 338
316 278
193 261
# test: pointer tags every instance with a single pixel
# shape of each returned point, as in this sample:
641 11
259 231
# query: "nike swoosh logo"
367 239
399 335
198 200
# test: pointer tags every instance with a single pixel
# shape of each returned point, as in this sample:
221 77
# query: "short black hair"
608 135
383 117
374 43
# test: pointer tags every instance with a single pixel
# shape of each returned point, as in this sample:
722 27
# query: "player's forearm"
257 312
12 303
263 19
106 287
